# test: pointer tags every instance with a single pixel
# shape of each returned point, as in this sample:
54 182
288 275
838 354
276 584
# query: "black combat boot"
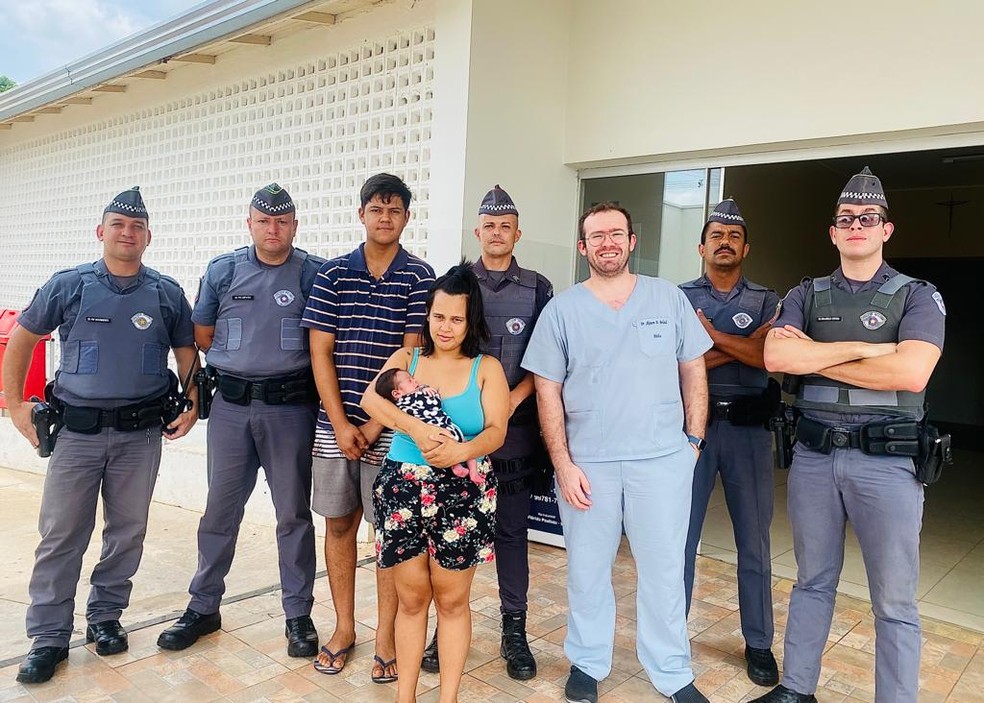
520 664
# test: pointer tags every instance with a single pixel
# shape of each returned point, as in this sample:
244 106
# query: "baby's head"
395 383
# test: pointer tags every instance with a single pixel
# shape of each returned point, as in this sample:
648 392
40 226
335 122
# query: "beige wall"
517 94
658 78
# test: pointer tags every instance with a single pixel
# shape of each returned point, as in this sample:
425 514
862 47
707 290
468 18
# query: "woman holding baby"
434 527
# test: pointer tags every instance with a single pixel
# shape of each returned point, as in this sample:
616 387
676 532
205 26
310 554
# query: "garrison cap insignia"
128 203
939 302
872 319
497 202
142 320
515 325
726 212
742 319
283 298
863 189
272 200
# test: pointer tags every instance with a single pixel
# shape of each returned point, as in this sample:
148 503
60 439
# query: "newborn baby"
424 403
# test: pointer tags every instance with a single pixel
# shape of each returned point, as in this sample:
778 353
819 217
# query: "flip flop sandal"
330 668
384 665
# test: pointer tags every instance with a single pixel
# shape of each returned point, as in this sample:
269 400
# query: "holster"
47 423
174 404
783 427
934 453
205 383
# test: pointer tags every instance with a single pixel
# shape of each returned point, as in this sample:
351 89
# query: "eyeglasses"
867 219
595 239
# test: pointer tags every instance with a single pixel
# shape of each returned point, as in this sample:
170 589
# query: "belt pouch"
813 435
234 390
81 420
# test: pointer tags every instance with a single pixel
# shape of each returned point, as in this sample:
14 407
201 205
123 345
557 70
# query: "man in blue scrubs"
622 393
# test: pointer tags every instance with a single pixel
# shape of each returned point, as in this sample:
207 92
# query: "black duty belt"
285 390
875 438
126 418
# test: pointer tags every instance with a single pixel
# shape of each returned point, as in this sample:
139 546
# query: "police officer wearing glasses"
864 341
247 318
116 322
737 314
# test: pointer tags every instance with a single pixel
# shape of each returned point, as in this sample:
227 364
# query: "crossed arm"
905 366
733 347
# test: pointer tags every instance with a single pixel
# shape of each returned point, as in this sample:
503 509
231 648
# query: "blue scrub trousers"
652 498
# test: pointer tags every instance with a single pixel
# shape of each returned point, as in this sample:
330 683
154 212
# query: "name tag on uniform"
104 320
242 297
829 319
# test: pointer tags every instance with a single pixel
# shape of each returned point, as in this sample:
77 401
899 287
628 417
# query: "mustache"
724 248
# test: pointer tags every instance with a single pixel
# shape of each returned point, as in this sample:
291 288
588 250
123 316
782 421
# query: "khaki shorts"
341 485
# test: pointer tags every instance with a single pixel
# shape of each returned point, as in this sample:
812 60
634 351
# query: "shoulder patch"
939 302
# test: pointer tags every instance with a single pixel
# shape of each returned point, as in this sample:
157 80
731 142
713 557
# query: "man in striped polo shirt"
364 306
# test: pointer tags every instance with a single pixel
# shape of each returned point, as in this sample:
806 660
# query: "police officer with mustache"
737 314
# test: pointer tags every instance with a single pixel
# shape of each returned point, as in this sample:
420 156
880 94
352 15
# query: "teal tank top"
465 409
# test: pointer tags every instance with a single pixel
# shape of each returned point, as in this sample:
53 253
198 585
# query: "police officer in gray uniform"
737 314
247 317
865 341
116 321
512 298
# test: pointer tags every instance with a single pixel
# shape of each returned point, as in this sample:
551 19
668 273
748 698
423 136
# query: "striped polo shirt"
369 318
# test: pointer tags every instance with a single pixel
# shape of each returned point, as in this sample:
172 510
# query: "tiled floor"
246 661
951 583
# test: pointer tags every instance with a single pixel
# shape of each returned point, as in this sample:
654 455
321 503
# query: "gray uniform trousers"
123 466
241 438
743 457
512 544
884 502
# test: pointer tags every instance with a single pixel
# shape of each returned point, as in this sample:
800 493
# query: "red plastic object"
37 375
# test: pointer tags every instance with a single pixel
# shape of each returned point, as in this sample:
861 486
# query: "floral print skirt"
420 509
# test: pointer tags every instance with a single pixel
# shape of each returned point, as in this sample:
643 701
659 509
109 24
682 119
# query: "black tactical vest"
832 314
509 312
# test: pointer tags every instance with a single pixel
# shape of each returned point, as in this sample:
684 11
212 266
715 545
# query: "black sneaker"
689 694
580 687
302 638
781 694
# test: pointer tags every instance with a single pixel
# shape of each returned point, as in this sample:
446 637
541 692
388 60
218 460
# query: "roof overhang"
197 36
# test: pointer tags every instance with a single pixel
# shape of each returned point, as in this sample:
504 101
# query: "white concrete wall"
653 79
318 111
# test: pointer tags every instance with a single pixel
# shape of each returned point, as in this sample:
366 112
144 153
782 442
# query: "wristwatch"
698 442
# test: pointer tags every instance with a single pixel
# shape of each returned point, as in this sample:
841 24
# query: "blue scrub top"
619 368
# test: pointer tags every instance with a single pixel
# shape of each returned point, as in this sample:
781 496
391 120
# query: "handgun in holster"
783 427
47 420
205 383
